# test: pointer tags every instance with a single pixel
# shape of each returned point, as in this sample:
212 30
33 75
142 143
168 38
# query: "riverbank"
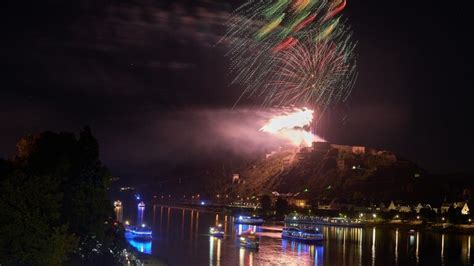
337 221
399 224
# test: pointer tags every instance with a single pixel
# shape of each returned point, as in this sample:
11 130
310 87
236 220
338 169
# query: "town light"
469 220
203 203
442 218
127 223
294 217
374 215
143 225
396 216
361 215
418 217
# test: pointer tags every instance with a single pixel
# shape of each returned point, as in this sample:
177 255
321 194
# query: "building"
404 208
456 205
298 201
392 206
445 207
235 178
321 146
399 206
358 149
324 205
463 206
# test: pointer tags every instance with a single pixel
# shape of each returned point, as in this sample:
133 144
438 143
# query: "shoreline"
441 228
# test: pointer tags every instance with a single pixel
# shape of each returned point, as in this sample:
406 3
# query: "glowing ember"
293 126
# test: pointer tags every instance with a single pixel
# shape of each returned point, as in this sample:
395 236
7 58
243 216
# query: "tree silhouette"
53 195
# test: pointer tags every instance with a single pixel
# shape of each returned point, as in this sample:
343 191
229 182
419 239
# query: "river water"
180 236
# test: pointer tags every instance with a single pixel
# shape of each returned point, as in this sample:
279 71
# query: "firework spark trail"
318 74
264 33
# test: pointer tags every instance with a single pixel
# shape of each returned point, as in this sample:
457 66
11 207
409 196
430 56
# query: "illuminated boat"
248 241
216 231
249 220
138 232
302 235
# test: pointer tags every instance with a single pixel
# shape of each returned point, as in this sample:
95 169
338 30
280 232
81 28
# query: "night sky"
149 79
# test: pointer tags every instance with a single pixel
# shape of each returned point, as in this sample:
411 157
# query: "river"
180 236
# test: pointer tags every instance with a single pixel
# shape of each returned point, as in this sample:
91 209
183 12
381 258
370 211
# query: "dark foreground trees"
53 204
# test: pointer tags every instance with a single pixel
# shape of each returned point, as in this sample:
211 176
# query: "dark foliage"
54 205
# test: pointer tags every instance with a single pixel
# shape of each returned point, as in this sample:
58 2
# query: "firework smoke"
293 126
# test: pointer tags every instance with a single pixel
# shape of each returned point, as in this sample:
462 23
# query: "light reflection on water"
181 236
143 246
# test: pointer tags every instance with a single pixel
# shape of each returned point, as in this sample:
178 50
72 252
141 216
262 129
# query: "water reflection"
214 244
143 246
468 252
417 254
442 249
241 256
373 246
396 247
181 236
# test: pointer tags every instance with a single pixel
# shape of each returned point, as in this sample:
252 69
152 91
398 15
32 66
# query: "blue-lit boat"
302 235
216 231
249 220
138 232
248 241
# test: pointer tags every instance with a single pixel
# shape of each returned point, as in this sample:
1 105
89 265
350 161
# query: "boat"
249 241
216 231
302 235
253 220
138 232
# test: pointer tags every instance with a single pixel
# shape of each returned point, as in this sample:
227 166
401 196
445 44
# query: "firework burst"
311 73
265 36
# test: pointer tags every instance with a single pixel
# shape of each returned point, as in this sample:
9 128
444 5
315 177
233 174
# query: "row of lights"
198 195
374 215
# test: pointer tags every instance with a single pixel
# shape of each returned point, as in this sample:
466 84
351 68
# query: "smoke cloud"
190 136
